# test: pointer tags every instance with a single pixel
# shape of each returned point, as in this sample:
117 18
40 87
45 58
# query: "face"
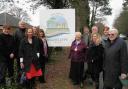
112 35
34 30
94 29
94 38
106 31
41 34
86 30
6 31
22 25
30 33
78 37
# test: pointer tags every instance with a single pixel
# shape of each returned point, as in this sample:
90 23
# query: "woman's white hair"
78 34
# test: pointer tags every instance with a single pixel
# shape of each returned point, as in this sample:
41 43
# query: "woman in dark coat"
43 54
29 57
77 56
95 58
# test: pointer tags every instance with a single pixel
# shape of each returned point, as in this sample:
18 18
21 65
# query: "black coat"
115 63
43 58
18 36
6 46
29 52
95 58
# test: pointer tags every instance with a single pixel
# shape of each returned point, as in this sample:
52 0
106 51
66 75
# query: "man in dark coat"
18 36
115 62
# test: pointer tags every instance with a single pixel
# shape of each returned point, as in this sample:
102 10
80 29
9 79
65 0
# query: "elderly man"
116 61
18 36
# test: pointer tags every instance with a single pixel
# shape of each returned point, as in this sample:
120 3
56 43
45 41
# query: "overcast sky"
116 9
115 4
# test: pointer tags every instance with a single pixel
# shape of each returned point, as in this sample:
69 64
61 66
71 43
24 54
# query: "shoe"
81 85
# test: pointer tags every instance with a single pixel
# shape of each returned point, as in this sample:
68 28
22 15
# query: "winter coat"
115 62
43 58
29 52
80 54
6 46
18 36
95 58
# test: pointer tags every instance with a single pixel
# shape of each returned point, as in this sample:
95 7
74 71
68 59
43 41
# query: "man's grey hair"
114 30
21 22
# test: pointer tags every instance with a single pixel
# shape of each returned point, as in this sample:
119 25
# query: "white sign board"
59 26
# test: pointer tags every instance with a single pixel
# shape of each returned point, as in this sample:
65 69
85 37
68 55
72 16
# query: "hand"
38 55
123 76
11 55
21 65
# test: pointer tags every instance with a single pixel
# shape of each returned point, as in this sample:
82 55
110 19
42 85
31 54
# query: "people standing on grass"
95 58
115 64
29 58
6 55
78 57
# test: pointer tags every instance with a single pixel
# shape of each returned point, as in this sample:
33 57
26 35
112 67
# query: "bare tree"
99 8
8 6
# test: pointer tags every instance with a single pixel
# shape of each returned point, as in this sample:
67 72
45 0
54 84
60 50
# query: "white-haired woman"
78 57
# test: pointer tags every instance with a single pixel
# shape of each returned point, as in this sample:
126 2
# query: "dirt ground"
57 71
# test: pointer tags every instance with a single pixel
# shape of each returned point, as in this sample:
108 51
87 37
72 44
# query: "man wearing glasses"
116 61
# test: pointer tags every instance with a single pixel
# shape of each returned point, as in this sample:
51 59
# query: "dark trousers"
6 66
30 84
10 67
2 72
76 71
95 78
42 64
18 69
42 78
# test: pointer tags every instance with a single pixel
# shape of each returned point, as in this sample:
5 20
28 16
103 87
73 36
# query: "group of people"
97 53
91 51
30 49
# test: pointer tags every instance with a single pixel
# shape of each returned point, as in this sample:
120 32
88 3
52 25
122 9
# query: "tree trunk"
82 13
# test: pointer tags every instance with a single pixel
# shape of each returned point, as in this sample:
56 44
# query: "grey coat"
115 62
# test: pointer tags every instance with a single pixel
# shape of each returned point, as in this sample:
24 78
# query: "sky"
116 9
115 4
